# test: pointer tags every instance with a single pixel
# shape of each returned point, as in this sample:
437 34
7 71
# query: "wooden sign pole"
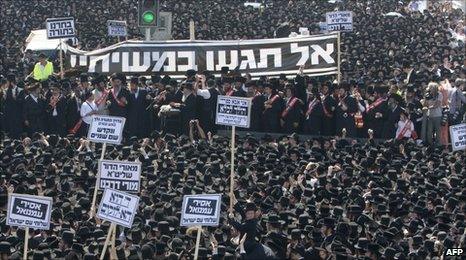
113 247
94 198
26 242
232 166
107 240
62 75
198 241
192 34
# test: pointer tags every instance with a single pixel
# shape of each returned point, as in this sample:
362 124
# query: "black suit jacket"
188 112
138 116
119 108
34 113
73 105
389 129
13 112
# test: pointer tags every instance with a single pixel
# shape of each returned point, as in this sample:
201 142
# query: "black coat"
56 124
138 117
390 124
34 114
73 107
208 112
13 112
292 118
119 108
313 121
328 122
376 124
345 119
271 116
257 109
188 113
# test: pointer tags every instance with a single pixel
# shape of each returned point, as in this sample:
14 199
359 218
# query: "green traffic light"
148 17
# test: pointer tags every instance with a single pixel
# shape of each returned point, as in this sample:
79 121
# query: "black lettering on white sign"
29 211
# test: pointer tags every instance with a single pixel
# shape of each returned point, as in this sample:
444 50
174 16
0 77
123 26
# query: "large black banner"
258 57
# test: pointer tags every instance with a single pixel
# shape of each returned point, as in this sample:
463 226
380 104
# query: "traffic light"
148 11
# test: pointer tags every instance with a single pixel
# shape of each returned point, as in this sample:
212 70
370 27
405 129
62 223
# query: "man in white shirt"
88 108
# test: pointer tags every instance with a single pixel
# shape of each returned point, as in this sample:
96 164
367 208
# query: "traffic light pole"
147 33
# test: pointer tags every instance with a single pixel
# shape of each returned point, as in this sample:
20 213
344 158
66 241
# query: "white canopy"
37 41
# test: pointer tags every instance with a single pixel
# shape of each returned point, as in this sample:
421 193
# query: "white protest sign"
106 129
233 111
201 210
458 137
116 28
60 28
339 21
118 175
118 207
29 211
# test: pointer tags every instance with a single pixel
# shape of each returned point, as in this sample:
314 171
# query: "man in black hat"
248 225
187 106
34 110
376 111
209 103
257 104
345 111
100 93
238 86
328 225
273 107
291 116
314 113
84 82
73 107
275 238
328 105
391 122
119 96
13 99
56 111
138 116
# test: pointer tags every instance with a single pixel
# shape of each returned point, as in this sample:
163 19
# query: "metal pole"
147 33
338 59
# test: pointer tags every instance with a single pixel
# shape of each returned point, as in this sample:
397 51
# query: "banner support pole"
26 243
232 166
96 188
61 59
192 35
107 240
338 58
198 241
147 33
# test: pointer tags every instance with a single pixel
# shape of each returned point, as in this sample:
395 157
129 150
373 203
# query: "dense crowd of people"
360 169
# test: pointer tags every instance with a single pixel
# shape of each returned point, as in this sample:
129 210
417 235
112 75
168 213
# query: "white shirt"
86 109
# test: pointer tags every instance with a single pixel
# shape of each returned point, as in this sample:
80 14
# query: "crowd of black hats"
377 45
310 198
